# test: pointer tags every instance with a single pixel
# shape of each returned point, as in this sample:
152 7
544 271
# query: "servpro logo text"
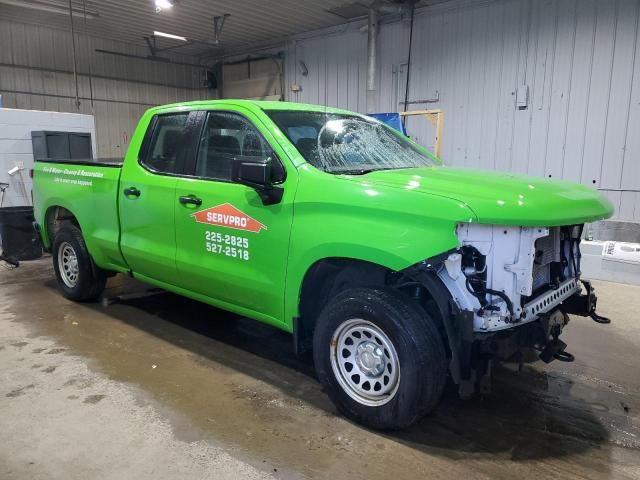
226 215
228 220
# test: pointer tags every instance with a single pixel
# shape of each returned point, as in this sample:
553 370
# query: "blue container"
392 119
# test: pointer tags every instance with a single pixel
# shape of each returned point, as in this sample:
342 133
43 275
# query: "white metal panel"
258 79
252 22
339 55
391 66
512 39
560 86
630 171
599 91
534 134
15 144
478 35
42 47
36 73
620 97
579 60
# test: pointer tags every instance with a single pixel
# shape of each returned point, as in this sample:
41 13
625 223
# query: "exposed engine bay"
511 290
509 275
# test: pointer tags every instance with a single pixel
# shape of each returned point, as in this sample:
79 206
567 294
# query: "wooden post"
436 118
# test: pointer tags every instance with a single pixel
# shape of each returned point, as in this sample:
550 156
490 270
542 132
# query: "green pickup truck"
395 271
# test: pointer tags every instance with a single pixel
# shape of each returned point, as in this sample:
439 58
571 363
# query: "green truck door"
147 198
230 247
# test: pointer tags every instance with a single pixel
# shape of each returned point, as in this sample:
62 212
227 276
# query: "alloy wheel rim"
68 264
365 362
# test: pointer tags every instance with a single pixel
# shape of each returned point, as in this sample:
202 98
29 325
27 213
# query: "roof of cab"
261 104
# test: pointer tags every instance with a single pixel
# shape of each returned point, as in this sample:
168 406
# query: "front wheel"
380 357
78 277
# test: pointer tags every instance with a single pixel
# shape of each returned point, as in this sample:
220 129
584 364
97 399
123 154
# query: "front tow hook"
584 305
554 349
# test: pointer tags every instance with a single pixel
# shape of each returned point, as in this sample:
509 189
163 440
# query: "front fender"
394 229
299 268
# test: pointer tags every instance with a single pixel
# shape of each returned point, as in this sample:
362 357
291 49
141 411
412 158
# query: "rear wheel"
78 277
380 357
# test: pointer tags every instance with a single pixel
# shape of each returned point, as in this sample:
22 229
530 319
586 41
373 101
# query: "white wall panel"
579 59
257 78
338 55
16 145
35 73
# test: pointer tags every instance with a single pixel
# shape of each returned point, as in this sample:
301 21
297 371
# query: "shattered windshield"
349 144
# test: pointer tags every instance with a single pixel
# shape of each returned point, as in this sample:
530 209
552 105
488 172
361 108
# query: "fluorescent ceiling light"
163 4
51 7
169 35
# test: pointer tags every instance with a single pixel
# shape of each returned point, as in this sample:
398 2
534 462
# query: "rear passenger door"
231 248
147 196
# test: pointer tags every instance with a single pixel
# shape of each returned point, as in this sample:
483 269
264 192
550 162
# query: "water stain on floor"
16 392
238 383
93 399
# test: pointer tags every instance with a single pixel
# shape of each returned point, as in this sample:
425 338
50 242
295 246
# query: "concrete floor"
151 385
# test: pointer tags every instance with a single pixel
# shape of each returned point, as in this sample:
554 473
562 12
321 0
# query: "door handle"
190 200
132 192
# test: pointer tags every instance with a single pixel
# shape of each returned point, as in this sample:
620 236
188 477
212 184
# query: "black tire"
90 280
415 338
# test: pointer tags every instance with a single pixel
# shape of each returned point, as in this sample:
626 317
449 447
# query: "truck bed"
93 184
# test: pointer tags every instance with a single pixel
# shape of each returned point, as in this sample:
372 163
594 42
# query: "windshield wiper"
355 171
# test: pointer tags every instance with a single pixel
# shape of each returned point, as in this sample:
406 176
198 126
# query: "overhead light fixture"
51 7
163 5
169 35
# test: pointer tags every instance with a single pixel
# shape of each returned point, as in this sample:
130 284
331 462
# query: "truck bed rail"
99 162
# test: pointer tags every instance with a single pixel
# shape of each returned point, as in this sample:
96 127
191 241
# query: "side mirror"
258 173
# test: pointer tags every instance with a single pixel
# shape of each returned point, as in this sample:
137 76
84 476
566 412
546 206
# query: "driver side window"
228 137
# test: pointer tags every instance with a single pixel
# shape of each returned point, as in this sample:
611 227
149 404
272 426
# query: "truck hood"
501 198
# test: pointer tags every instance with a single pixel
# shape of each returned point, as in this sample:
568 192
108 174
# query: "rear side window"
168 146
226 138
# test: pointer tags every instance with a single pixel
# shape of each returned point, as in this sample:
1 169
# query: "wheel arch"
54 217
324 278
328 276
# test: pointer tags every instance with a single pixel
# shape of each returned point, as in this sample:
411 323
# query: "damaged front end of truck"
505 292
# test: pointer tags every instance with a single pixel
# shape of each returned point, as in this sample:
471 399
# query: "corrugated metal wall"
579 59
253 78
35 73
